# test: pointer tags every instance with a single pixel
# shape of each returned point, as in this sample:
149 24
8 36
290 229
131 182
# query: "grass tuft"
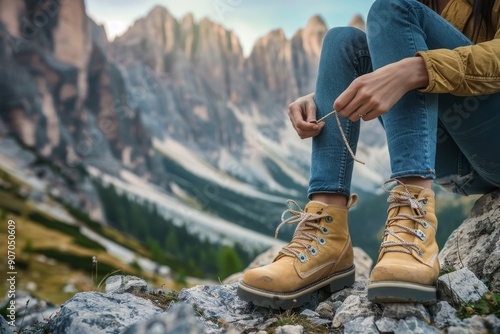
163 300
294 319
488 304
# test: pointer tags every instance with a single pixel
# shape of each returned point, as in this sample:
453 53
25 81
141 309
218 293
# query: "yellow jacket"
467 70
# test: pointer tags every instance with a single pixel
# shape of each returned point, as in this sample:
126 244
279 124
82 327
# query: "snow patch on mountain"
199 222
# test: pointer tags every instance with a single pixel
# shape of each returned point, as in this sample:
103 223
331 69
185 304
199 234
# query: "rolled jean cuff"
313 191
429 174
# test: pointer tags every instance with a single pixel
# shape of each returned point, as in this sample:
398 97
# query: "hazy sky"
249 19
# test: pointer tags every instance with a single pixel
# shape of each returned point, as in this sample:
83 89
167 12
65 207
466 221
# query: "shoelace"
346 142
306 221
403 199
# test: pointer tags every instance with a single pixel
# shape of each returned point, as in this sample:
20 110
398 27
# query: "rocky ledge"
470 272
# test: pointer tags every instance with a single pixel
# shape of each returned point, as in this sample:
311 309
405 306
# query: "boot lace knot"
308 223
399 199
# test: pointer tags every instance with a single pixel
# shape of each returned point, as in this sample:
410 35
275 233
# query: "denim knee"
347 40
387 8
383 11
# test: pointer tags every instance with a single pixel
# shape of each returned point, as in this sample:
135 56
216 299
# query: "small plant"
105 278
294 319
488 304
447 269
163 300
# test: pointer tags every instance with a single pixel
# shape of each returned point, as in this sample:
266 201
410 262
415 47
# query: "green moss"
294 319
488 304
161 299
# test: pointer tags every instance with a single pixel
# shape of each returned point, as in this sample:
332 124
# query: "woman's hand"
301 113
373 94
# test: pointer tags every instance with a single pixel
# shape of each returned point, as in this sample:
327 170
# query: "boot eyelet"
425 201
322 241
421 235
329 219
313 251
425 224
419 253
302 258
324 230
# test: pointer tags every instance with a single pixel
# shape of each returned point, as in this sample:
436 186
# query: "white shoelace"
306 222
346 142
403 199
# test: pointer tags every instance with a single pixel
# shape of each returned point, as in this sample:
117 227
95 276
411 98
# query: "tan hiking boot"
407 266
319 255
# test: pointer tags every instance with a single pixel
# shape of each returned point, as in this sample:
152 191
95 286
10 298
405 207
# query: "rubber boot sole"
401 292
294 299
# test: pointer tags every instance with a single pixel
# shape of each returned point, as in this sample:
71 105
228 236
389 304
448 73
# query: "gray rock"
474 244
353 307
325 310
179 319
401 311
269 322
444 315
98 313
363 264
493 323
412 325
122 284
361 325
31 310
460 286
359 288
320 321
289 329
309 314
220 302
314 317
5 328
458 330
476 324
335 305
386 325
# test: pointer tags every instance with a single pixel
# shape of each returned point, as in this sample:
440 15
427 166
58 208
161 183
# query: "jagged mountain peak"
158 10
188 19
315 22
358 22
274 36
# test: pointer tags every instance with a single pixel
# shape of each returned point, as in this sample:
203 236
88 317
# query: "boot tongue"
409 209
315 207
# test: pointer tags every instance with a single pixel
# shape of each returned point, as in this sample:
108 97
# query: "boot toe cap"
262 278
404 272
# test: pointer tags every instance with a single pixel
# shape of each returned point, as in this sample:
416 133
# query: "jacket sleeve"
468 70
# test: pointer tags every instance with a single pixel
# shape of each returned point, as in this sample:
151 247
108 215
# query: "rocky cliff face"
80 101
58 88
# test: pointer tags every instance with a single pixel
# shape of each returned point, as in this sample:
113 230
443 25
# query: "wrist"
416 71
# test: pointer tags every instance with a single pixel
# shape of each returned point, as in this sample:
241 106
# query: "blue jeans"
452 139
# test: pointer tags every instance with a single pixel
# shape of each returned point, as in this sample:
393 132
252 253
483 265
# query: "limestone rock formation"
217 309
476 243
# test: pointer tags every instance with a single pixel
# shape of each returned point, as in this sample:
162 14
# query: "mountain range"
170 115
